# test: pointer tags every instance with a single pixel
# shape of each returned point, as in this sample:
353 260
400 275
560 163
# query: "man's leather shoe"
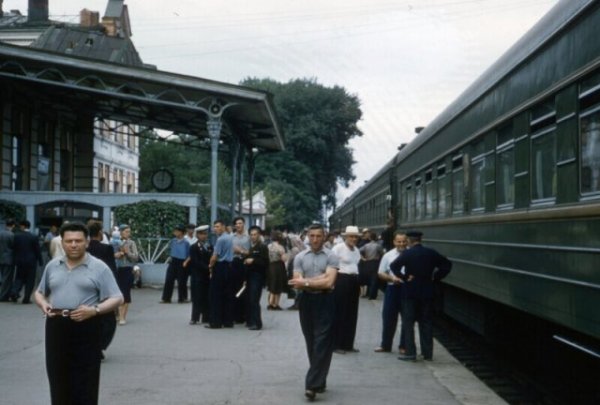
405 357
254 328
320 390
354 350
381 350
339 351
310 394
212 327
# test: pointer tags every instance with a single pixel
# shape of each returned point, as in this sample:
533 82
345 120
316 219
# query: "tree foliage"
11 210
318 123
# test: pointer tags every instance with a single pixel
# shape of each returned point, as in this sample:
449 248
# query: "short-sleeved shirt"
242 241
348 259
386 260
312 264
180 248
372 251
224 248
89 283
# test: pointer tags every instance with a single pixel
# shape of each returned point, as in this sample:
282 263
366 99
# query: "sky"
405 60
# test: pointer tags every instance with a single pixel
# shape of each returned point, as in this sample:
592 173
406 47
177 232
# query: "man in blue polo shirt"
180 253
221 293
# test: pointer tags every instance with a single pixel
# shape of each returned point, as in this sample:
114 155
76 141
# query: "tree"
318 123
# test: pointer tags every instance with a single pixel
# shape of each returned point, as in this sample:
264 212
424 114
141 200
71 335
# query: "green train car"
506 183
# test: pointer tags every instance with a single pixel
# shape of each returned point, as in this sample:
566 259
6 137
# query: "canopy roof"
140 95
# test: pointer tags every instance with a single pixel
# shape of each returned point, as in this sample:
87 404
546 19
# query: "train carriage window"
478 183
505 176
443 204
458 184
505 168
419 199
409 204
429 194
590 135
543 152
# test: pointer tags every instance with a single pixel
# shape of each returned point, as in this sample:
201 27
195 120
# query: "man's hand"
82 313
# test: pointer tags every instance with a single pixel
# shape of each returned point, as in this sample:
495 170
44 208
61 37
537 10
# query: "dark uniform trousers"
73 360
25 277
392 304
237 280
199 288
221 295
418 310
254 286
346 293
317 312
175 271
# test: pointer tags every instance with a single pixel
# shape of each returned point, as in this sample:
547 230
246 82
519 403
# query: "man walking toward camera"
315 272
73 291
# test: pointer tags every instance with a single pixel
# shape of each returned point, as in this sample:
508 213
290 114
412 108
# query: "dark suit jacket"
27 249
199 259
106 253
260 254
425 265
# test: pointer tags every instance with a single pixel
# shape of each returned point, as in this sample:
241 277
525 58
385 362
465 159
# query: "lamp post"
213 126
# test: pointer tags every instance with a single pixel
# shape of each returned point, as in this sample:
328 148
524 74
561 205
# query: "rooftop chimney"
89 18
38 11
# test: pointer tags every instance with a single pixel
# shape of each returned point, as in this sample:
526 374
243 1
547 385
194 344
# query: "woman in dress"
127 256
277 275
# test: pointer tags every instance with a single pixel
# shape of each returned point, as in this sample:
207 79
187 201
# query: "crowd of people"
325 274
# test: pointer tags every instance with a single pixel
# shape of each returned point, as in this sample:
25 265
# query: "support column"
193 215
235 152
242 159
213 125
251 159
106 218
30 215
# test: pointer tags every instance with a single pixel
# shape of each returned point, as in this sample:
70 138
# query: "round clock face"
162 179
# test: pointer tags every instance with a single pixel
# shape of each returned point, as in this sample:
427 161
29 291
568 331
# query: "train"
506 183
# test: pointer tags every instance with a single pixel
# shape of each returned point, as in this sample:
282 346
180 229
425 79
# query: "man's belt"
65 313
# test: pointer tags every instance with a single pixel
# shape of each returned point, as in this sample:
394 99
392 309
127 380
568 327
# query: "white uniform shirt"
386 260
348 258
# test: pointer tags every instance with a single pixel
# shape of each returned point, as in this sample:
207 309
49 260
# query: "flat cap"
414 234
179 227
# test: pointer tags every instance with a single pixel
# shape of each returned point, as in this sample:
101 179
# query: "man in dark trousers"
423 267
200 254
256 263
7 260
179 252
28 255
221 286
315 272
106 253
73 291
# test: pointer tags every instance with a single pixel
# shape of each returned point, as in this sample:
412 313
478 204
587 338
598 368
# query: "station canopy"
142 96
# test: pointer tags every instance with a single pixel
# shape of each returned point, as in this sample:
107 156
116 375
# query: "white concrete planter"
153 273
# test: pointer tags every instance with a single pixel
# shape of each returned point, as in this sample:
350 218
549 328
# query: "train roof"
544 30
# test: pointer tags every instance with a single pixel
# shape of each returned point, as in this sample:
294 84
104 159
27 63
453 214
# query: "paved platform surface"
157 358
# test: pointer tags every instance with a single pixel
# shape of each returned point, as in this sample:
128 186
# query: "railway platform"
157 358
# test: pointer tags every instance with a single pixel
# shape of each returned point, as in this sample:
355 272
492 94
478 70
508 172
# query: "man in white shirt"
346 292
393 295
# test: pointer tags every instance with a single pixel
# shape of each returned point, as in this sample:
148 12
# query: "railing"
151 250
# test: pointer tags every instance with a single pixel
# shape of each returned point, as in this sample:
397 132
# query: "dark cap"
179 227
414 234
